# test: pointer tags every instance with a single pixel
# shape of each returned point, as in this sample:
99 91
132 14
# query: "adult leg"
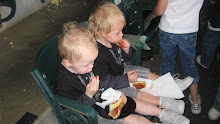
217 99
214 112
187 51
168 52
211 40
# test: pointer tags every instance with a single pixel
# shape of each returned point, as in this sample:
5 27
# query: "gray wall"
24 8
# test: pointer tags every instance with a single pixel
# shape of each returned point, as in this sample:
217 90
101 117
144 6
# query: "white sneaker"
213 114
198 60
171 117
183 84
171 104
195 107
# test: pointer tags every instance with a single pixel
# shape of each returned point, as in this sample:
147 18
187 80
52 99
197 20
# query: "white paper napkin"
167 87
164 86
117 2
110 95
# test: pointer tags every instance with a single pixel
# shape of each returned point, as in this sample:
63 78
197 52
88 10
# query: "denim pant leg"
217 99
211 40
168 52
187 52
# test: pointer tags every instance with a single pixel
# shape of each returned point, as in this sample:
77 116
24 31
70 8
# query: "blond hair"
104 16
74 41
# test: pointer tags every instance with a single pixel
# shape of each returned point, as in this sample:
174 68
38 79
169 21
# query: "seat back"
66 110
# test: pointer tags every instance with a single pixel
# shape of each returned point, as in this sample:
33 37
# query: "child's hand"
132 76
125 45
92 87
124 98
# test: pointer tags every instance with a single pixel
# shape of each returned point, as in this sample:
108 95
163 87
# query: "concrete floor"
20 44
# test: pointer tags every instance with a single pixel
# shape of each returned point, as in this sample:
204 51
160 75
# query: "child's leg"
152 76
146 108
142 72
136 119
148 97
163 102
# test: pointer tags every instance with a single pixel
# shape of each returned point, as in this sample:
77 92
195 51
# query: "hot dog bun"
115 108
140 84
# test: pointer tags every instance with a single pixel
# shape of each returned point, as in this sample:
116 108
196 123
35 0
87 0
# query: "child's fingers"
132 72
97 81
124 98
126 43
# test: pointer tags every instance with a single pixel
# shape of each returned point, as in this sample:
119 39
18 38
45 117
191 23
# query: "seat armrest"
74 105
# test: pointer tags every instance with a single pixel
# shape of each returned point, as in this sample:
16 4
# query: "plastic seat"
138 23
66 110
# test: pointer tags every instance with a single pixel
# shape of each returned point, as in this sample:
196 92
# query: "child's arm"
92 87
116 82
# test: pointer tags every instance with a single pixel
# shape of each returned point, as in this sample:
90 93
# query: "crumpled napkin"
164 86
110 95
117 2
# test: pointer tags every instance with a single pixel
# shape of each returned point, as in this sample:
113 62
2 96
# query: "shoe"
177 106
213 114
171 117
198 60
195 107
183 84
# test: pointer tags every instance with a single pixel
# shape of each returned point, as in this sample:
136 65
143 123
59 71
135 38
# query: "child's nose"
121 34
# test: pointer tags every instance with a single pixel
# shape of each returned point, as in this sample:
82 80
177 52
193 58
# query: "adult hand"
152 17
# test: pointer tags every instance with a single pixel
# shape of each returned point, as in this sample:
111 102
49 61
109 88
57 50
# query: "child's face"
115 35
85 64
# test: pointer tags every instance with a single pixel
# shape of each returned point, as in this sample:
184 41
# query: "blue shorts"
170 44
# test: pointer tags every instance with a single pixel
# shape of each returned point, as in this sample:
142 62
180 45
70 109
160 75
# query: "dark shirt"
111 61
73 86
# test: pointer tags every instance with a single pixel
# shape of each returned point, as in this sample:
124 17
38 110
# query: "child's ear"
66 62
100 34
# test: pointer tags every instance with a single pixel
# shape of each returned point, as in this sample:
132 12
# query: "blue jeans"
187 51
211 41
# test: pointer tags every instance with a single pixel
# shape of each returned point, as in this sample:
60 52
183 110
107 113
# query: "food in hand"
115 108
140 84
121 43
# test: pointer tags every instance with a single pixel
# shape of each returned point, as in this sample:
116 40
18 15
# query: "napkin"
163 86
110 96
117 2
167 87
